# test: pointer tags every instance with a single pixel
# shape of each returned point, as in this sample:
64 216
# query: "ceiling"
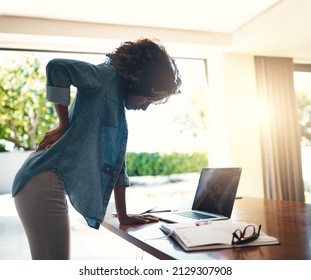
265 27
223 16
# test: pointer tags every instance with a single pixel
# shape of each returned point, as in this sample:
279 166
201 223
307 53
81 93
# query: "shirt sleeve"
63 73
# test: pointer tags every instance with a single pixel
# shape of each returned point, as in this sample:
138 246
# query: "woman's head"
147 70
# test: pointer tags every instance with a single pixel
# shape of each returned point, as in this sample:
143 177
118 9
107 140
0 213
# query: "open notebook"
214 235
214 198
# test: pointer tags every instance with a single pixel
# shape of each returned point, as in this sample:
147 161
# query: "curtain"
280 137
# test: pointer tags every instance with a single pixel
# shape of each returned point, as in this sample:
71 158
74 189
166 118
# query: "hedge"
153 164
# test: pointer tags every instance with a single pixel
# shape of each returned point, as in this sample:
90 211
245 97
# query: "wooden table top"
290 222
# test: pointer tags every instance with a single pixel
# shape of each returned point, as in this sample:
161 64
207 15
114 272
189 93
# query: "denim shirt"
90 156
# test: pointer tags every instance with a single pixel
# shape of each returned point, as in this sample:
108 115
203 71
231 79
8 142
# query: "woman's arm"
120 202
60 75
62 113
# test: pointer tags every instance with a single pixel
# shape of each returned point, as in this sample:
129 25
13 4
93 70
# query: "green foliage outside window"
25 114
145 164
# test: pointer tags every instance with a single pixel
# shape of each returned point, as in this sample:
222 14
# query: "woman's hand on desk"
132 220
124 218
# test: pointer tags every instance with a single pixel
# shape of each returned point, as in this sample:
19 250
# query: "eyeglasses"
248 234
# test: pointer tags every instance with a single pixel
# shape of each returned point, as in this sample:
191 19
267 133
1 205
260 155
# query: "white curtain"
280 138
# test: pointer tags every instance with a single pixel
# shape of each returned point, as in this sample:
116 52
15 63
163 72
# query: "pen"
147 211
160 211
201 223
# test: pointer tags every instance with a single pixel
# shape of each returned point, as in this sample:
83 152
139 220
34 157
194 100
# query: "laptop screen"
217 190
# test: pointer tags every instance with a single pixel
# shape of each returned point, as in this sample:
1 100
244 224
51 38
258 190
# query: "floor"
87 243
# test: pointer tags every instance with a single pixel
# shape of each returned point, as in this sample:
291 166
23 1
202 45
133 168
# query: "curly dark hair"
147 69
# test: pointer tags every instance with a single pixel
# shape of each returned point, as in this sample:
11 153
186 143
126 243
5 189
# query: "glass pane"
302 82
180 124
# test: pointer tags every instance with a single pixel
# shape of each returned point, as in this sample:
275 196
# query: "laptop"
214 197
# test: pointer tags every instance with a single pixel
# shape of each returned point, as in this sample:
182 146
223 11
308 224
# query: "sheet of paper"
217 232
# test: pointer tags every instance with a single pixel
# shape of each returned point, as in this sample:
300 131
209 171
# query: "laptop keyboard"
194 215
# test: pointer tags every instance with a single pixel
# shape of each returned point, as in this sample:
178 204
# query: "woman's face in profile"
134 102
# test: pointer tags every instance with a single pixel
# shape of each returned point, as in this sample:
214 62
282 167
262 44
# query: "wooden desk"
290 222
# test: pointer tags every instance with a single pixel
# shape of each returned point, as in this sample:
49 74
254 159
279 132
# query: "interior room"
250 50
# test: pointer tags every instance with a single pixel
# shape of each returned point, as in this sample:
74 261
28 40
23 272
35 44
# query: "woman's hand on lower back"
51 137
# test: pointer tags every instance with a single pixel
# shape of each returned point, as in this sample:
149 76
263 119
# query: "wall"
234 138
10 162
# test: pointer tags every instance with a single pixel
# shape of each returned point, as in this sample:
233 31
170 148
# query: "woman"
84 156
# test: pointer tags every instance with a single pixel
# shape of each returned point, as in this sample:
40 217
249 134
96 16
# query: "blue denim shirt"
90 156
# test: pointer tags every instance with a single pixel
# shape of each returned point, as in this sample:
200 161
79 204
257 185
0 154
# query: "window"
163 128
302 82
180 124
